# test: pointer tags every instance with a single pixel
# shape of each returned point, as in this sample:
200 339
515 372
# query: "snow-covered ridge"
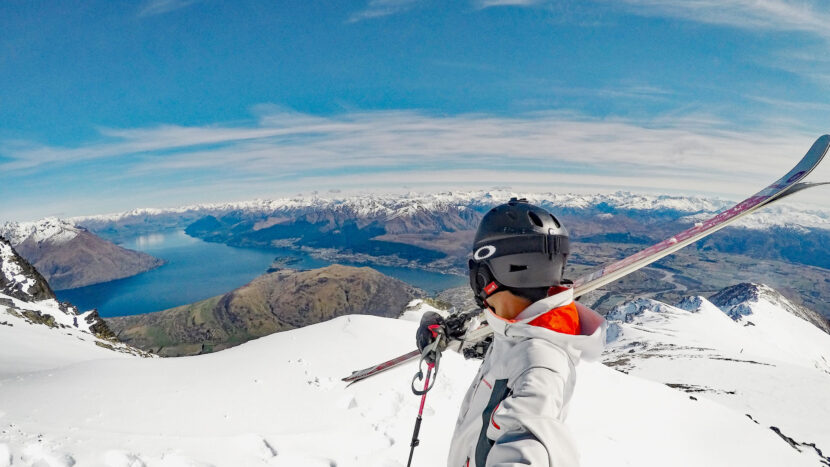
777 215
741 302
62 315
733 349
12 272
43 334
409 204
376 205
50 229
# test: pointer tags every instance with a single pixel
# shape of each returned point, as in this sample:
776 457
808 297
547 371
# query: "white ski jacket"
514 411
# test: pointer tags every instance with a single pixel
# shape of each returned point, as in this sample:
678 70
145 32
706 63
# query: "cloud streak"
380 8
481 4
779 15
158 7
289 152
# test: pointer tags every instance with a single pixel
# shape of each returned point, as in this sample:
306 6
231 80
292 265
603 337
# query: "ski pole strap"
420 375
433 352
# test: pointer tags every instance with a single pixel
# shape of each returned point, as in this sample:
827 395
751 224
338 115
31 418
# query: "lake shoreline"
196 270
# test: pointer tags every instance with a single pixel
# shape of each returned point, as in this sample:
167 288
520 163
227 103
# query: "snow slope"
279 401
765 362
42 335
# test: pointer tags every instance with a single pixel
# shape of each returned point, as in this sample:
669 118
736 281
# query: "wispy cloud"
158 7
809 62
781 15
494 3
292 151
379 8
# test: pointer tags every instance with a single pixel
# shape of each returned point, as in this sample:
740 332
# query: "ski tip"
819 148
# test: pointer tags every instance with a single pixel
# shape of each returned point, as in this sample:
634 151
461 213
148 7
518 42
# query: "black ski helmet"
518 247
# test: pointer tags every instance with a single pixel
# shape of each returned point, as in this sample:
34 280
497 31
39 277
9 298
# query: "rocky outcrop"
19 279
735 301
274 302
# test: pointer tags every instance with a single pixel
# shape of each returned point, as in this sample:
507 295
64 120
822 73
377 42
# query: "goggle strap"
549 244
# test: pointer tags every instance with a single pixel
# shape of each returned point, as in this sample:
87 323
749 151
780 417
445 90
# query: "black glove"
428 330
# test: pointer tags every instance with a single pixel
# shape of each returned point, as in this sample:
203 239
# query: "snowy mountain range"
70 256
407 205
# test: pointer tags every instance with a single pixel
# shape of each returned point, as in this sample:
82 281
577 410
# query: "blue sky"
107 105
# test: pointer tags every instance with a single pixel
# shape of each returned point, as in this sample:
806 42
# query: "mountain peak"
737 301
626 312
691 303
49 229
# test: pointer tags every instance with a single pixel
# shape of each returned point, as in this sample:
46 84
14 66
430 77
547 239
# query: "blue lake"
197 270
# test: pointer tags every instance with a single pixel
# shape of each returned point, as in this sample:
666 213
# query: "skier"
514 411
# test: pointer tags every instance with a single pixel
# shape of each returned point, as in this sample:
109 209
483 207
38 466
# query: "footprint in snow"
5 455
177 460
346 402
294 461
254 445
40 454
115 458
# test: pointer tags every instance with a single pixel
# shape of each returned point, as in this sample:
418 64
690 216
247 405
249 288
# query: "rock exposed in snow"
737 301
18 278
26 294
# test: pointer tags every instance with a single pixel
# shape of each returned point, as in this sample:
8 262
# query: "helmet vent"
555 221
534 218
518 267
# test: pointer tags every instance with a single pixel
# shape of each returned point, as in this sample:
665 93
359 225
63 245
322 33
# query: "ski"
787 185
373 370
668 246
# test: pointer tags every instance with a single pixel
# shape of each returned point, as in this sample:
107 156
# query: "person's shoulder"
538 353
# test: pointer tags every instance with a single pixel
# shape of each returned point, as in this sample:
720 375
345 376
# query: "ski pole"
432 356
415 440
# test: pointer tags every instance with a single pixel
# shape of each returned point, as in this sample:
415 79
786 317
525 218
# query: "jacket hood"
588 344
